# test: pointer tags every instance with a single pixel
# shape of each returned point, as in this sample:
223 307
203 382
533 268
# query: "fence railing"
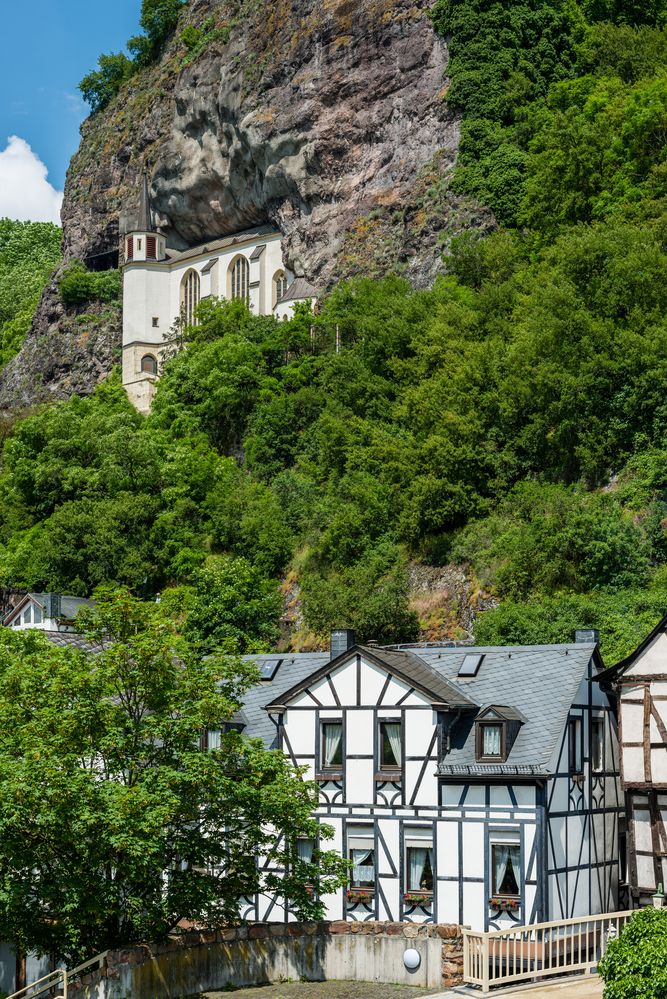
58 982
542 950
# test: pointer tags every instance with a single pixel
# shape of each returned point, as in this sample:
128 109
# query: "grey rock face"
325 118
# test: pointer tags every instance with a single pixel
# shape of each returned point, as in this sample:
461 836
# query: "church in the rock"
161 287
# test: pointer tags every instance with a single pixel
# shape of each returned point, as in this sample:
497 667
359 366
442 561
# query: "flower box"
359 895
418 898
504 904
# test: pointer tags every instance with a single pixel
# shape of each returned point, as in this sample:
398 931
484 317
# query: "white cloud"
25 192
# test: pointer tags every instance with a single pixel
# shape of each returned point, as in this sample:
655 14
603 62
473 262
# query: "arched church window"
239 270
149 364
279 286
190 294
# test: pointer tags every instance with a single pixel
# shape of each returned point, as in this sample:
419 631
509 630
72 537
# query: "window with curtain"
331 751
240 279
391 754
361 847
305 849
506 868
492 740
419 866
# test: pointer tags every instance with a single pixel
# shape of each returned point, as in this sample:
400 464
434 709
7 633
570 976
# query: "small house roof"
69 606
298 291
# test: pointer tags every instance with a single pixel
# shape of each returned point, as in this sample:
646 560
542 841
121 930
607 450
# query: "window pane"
390 745
332 744
38 615
419 868
363 868
505 858
491 740
304 849
597 748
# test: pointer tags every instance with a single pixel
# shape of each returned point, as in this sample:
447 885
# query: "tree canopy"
115 821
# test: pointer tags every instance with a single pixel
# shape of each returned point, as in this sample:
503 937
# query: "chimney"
341 640
587 635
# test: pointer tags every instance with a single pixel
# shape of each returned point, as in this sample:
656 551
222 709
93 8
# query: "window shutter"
130 248
151 247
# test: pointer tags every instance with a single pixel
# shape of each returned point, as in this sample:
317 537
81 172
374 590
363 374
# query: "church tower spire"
145 219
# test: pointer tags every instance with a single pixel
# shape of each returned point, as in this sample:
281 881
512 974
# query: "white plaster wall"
653 660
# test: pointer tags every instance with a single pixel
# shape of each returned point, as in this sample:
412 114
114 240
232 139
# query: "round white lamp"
412 959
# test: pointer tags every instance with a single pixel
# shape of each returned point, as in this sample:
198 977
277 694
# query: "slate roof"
70 640
298 290
539 682
213 245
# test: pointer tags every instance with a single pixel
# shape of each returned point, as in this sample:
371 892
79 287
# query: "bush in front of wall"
635 965
78 285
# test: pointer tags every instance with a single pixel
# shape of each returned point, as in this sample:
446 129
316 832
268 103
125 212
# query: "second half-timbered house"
468 785
640 681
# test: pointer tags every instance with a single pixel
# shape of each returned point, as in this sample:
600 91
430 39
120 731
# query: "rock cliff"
326 118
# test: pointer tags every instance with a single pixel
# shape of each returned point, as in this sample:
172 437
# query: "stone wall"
257 953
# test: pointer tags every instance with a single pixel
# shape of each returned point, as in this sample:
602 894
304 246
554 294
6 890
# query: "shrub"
100 86
635 965
78 285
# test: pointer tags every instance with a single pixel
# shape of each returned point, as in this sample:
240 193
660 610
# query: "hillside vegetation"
29 251
512 418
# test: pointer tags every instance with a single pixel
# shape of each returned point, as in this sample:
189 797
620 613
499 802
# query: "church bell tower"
145 304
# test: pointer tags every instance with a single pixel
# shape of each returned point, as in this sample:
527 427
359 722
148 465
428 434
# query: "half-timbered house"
469 785
641 684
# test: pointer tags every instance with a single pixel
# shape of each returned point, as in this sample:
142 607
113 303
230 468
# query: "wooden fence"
542 950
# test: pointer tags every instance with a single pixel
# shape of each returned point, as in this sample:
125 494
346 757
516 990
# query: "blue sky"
47 47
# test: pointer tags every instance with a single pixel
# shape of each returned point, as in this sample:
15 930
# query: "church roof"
213 245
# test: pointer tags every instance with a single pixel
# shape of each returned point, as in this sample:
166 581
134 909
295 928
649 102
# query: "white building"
162 287
466 785
641 684
51 612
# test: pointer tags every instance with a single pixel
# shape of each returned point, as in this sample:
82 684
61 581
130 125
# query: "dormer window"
490 741
496 730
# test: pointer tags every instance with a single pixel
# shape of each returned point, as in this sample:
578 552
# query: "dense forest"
511 419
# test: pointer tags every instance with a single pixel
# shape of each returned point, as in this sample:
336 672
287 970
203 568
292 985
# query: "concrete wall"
202 961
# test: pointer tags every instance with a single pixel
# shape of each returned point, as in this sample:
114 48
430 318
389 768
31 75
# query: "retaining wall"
258 953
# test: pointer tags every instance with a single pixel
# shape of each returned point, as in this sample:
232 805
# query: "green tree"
634 966
114 823
230 604
100 86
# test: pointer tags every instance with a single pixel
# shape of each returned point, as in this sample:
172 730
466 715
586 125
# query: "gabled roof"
69 606
614 672
403 665
502 711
